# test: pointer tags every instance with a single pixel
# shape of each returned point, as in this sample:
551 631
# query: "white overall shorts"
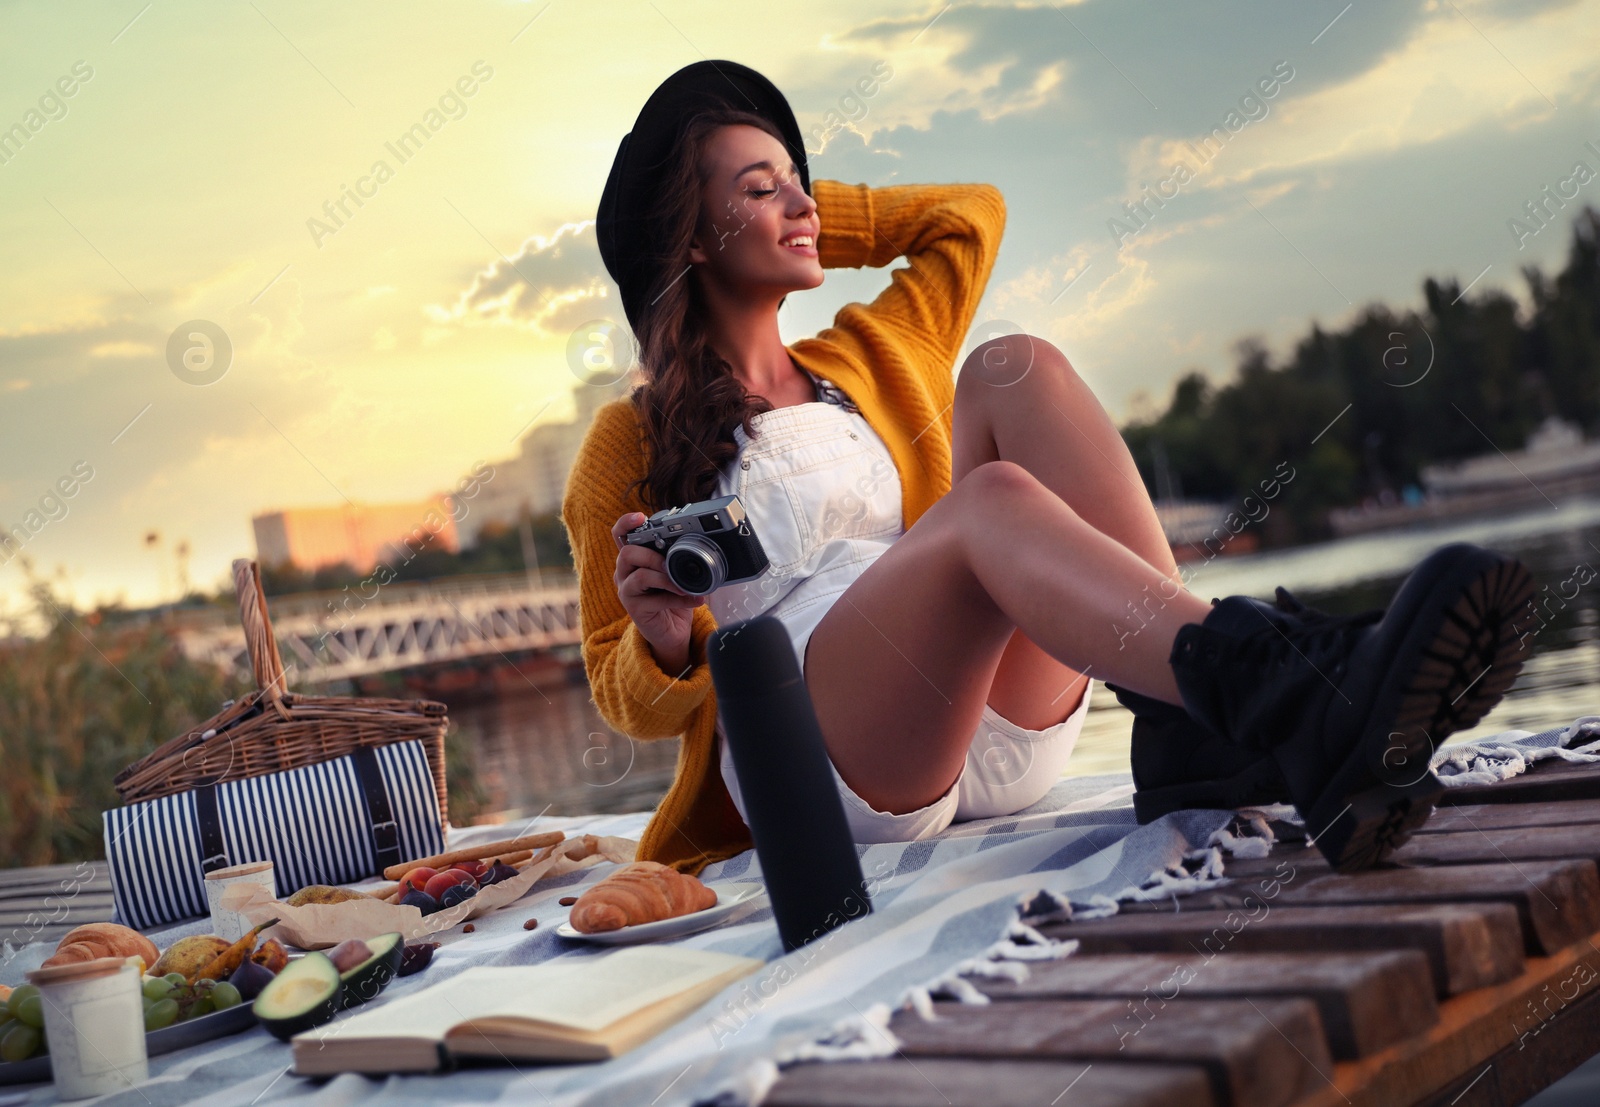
824 498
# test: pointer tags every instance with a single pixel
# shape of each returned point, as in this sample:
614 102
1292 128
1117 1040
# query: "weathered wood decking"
1466 974
42 904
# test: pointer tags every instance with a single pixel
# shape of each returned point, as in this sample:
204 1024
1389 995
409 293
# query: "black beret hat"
630 246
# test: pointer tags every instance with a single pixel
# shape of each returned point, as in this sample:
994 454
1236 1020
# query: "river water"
549 749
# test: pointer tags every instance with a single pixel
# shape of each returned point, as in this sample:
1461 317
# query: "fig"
458 893
422 901
348 954
498 872
415 957
250 978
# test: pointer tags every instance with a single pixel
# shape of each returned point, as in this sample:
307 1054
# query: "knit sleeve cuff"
668 695
845 211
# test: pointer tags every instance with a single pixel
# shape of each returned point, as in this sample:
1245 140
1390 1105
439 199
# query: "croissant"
640 892
93 940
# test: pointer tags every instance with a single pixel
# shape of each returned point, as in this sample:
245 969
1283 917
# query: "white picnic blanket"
954 902
963 903
1509 753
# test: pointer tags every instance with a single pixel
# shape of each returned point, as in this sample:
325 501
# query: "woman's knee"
999 493
1008 360
1001 479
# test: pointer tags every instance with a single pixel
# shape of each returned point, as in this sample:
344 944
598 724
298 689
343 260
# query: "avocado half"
307 993
373 975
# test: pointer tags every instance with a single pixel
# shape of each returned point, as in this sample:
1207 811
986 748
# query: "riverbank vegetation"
92 694
1359 411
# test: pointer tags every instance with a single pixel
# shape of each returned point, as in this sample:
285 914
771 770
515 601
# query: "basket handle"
265 663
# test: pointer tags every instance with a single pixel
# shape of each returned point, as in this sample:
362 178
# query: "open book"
570 1009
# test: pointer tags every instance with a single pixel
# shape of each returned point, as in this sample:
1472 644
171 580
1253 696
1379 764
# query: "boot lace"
1321 636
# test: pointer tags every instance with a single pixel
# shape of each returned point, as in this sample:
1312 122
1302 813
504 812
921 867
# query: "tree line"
1359 411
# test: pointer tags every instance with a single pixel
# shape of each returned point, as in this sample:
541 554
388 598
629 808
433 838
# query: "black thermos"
796 818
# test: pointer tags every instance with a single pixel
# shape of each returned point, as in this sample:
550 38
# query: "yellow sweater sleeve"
949 235
630 689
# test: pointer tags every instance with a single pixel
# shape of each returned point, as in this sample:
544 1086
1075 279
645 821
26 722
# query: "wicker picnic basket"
273 729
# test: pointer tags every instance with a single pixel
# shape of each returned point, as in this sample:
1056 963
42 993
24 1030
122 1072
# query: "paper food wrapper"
320 925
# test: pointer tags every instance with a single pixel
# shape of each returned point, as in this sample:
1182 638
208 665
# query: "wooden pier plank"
1366 1000
42 903
1467 946
1257 1053
1543 782
1488 845
1554 999
1558 901
1009 1083
1501 816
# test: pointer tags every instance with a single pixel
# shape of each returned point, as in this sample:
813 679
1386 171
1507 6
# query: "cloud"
16 385
1415 95
535 289
123 349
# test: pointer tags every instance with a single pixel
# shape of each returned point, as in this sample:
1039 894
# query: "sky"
182 320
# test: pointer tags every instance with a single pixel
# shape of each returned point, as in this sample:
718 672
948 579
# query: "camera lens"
696 565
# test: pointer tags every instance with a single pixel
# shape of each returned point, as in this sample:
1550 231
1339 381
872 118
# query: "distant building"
1198 531
1555 463
536 479
360 535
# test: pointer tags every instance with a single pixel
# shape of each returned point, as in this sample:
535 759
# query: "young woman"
955 555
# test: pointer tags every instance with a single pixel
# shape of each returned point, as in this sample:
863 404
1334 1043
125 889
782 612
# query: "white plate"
729 897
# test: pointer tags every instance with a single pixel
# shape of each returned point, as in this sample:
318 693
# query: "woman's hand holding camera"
662 611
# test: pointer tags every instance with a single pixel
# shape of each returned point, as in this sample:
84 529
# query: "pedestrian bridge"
328 636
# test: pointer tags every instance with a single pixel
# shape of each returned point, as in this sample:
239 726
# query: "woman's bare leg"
900 666
1018 399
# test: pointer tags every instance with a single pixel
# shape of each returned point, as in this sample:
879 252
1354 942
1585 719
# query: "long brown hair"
690 400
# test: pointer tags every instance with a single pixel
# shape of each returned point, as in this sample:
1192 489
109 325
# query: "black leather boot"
1351 708
1179 764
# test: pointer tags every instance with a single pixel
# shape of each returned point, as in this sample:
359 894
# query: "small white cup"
225 922
94 1021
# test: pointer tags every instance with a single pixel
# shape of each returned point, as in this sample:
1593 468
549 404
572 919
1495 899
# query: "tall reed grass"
91 694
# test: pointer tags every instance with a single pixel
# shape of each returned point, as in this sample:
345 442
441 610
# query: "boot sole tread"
1475 653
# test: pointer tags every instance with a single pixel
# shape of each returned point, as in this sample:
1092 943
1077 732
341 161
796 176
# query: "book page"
582 993
595 992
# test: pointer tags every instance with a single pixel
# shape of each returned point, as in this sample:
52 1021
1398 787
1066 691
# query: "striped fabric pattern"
311 823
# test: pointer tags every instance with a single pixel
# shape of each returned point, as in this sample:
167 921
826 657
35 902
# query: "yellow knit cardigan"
895 358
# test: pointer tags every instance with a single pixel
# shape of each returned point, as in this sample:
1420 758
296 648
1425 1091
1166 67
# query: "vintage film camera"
707 544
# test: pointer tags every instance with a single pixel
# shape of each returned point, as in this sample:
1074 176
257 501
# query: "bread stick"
475 853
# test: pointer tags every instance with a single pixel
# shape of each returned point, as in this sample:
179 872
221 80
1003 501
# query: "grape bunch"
22 1025
172 998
